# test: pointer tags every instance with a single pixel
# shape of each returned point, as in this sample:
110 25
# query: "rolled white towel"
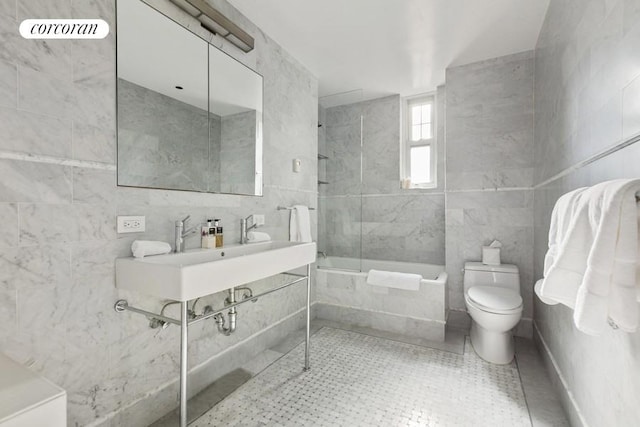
258 236
392 279
143 248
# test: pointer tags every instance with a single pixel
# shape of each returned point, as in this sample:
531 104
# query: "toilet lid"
493 297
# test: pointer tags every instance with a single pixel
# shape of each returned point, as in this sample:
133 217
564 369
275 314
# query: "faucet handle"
184 221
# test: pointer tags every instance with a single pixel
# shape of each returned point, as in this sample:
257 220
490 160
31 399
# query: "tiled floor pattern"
361 380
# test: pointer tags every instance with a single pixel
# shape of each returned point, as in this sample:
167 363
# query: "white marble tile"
8 224
544 407
36 313
8 85
8 8
40 223
585 104
262 361
425 328
94 143
344 369
29 267
50 56
34 182
8 313
631 109
74 81
45 94
94 186
35 134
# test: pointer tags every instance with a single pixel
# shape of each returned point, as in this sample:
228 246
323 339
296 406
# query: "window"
419 143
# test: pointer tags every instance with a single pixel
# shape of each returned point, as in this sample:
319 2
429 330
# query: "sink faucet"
181 233
244 230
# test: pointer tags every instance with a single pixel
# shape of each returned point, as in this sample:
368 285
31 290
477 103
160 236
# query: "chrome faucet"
244 230
181 233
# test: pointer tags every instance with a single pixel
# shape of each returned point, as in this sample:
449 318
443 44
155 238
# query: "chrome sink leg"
308 330
184 323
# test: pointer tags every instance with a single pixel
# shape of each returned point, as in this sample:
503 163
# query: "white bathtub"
427 271
343 295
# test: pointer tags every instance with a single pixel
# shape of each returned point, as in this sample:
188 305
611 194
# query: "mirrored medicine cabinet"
189 115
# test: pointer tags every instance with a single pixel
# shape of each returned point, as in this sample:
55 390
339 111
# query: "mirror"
189 115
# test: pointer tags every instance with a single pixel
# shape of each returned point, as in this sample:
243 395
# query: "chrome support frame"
184 323
308 323
184 361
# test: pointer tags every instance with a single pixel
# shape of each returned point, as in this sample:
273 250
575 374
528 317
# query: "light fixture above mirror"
217 23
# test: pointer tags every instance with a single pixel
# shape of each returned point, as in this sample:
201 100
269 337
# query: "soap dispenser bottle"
219 237
208 235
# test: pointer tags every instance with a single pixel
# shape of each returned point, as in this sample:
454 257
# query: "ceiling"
381 47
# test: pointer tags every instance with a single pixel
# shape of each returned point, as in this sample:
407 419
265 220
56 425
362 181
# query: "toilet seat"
495 299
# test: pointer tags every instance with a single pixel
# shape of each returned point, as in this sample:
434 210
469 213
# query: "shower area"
363 213
340 180
367 221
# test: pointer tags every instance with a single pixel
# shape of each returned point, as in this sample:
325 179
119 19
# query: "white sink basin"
193 274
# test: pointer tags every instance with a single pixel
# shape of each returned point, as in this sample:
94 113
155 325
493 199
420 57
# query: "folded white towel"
143 248
592 259
557 288
392 279
536 289
300 224
258 236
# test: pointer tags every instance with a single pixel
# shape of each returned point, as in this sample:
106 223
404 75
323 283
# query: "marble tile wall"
586 92
152 153
322 176
59 200
489 168
152 132
215 142
346 296
367 213
237 153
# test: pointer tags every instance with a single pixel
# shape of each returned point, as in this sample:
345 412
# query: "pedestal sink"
193 274
186 276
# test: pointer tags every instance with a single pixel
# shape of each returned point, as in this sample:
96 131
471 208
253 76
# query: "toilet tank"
503 275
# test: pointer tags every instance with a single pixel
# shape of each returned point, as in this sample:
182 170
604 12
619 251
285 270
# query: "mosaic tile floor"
361 380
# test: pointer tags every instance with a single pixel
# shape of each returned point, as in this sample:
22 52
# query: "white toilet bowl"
492 297
491 335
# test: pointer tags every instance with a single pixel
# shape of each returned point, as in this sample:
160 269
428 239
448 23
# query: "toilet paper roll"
490 256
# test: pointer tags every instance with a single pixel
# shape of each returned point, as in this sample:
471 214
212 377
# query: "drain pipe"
220 320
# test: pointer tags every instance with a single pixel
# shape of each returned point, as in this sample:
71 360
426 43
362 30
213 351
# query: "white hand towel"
300 224
593 251
608 290
392 279
258 236
143 248
558 287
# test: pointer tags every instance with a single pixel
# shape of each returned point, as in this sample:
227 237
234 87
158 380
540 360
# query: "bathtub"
343 295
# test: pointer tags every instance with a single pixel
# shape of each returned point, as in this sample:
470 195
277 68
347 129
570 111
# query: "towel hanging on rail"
593 255
300 224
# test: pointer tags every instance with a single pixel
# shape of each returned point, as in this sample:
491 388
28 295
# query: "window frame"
407 143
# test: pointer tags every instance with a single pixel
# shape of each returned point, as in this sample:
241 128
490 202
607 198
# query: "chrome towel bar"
288 208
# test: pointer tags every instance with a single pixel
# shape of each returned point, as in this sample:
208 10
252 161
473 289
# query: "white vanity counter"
27 399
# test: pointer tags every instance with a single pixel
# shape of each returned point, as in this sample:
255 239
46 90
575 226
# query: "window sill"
429 186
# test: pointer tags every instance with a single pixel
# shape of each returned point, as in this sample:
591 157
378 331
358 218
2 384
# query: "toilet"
492 297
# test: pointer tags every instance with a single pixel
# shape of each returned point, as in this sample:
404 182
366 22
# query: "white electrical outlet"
131 224
258 219
297 165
